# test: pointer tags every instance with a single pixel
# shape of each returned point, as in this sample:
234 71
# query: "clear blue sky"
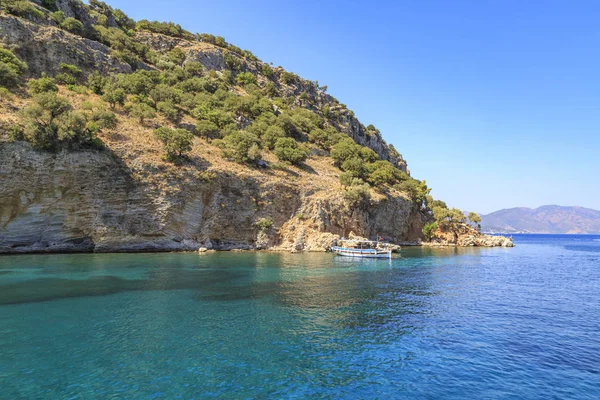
495 103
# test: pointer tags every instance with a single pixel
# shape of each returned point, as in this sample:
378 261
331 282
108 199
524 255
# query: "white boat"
363 249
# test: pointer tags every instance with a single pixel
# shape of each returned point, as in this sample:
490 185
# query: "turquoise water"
468 323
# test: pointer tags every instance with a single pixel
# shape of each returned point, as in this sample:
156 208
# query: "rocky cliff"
93 201
90 201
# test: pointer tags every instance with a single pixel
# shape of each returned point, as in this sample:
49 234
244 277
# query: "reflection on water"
433 323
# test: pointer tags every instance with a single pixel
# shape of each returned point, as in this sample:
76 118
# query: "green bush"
367 154
69 74
96 83
42 85
58 17
177 56
271 136
232 62
267 71
72 25
358 196
287 149
383 172
164 93
417 190
264 224
77 89
194 68
176 142
51 122
245 78
102 20
114 95
428 230
22 9
140 82
207 129
104 119
11 68
123 20
438 203
5 94
169 110
141 111
345 149
237 146
289 77
355 166
165 28
347 179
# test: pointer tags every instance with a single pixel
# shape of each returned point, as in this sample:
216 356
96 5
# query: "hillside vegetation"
181 112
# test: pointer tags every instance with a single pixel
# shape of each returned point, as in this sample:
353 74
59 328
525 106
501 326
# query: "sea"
453 323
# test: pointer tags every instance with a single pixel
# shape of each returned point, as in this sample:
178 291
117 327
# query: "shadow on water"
45 289
311 281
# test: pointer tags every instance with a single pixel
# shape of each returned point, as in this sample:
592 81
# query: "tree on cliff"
449 220
474 218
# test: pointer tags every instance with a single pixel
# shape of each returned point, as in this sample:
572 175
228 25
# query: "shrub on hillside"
69 74
428 230
104 119
42 85
245 78
114 95
51 122
176 142
96 83
267 71
240 146
194 68
271 136
11 68
232 62
177 56
358 196
207 129
320 138
169 110
345 149
355 166
72 25
417 190
264 224
165 28
287 149
58 17
22 8
141 111
288 77
383 172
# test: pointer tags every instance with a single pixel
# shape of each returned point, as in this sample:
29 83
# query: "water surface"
448 323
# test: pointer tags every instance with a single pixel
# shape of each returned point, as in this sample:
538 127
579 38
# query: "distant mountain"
545 219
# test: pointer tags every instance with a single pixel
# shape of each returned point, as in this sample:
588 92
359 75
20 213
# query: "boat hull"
362 253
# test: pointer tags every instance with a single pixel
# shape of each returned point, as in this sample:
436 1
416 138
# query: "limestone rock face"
320 223
45 47
90 201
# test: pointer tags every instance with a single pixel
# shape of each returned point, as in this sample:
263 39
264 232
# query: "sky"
494 103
